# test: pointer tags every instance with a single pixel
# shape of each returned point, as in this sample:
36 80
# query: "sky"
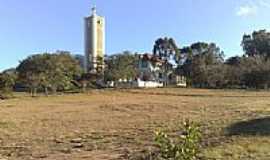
34 26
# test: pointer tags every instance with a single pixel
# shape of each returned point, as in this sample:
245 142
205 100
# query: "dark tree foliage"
203 65
255 67
121 66
7 82
165 48
255 72
49 71
233 61
258 43
80 59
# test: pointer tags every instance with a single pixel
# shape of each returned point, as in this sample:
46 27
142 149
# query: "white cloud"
252 7
247 10
265 3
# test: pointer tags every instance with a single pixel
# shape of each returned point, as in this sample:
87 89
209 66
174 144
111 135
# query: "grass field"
120 124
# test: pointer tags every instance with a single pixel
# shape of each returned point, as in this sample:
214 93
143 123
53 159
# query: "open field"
121 124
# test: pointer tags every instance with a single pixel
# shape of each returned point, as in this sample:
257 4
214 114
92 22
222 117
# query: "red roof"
151 57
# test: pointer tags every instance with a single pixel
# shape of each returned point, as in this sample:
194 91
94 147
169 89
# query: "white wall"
148 84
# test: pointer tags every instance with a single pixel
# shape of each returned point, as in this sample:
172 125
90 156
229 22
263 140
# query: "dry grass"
116 124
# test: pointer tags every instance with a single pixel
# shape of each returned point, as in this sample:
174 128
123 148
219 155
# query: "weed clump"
185 146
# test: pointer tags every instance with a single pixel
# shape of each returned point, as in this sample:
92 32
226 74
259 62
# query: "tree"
7 82
255 72
121 66
165 48
215 76
234 61
100 66
46 71
255 65
248 71
89 80
29 73
80 59
234 72
202 64
258 43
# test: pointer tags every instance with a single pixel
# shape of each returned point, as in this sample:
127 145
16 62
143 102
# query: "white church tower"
94 36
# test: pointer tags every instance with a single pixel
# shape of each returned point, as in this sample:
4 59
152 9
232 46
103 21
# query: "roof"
151 57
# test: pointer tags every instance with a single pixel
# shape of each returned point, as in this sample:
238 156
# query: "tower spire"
94 10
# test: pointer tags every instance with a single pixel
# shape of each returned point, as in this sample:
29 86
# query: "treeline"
50 73
202 63
47 72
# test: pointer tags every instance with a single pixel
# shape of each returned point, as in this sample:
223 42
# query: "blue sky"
33 26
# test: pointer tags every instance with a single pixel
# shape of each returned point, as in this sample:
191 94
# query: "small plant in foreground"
185 147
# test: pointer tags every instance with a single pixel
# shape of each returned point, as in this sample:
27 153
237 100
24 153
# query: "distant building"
150 68
152 72
181 81
155 72
94 42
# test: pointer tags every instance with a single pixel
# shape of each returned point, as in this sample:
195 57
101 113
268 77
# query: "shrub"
185 147
7 82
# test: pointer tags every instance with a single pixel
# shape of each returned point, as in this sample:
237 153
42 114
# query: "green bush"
185 147
7 82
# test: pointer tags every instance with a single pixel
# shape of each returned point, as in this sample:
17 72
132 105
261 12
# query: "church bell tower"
94 37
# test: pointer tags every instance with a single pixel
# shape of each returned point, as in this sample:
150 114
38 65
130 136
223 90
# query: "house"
150 68
154 72
150 71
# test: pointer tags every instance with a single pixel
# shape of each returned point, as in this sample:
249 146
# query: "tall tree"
202 61
165 48
258 43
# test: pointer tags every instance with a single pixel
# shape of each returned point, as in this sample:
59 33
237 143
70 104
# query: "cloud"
252 7
265 3
247 10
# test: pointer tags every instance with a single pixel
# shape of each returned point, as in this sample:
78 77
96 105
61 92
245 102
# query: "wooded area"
203 64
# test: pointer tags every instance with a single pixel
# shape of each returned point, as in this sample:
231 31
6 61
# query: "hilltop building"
94 43
152 72
155 72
